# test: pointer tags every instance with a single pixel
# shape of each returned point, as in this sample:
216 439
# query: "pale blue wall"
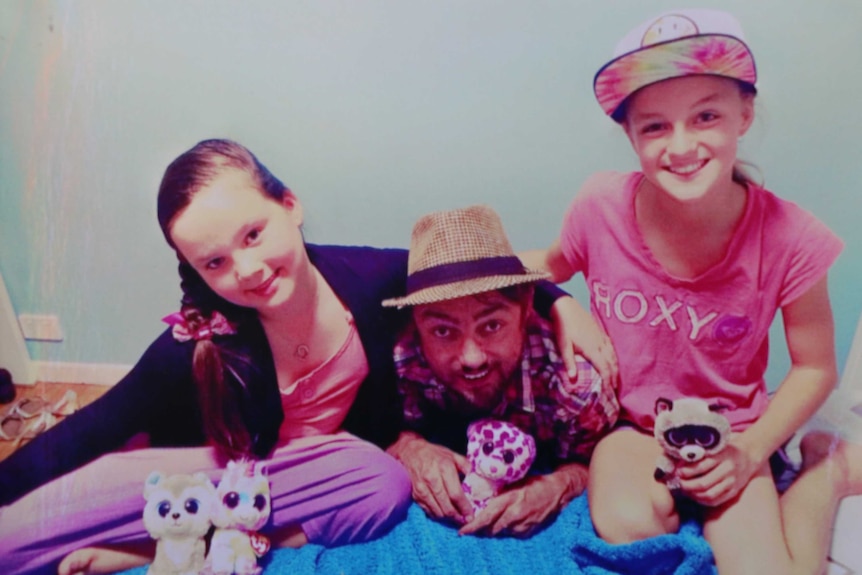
374 112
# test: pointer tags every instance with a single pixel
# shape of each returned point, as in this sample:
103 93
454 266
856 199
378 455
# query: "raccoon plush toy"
688 429
177 516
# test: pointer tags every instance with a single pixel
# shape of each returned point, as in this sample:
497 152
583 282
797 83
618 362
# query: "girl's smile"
268 287
688 169
685 133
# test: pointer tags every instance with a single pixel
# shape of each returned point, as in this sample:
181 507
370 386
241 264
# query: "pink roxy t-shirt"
703 337
317 403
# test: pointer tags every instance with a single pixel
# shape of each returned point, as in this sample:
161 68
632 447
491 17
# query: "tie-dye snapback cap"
674 44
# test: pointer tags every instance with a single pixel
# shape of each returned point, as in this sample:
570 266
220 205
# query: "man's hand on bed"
523 508
433 471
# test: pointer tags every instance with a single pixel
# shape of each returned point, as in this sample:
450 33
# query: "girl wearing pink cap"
687 262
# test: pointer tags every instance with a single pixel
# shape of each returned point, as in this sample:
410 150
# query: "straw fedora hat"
461 252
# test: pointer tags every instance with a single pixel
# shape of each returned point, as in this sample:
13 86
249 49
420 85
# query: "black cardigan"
158 396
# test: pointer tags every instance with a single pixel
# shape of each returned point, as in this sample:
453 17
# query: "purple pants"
337 488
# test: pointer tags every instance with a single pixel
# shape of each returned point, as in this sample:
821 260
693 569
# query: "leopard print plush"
499 454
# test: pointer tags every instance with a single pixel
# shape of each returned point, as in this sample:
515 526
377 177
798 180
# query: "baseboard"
68 372
13 351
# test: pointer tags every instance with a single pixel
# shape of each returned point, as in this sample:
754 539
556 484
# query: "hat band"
460 271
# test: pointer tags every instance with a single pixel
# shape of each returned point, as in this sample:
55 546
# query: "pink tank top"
317 403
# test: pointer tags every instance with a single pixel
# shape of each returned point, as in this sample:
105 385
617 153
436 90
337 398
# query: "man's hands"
433 471
519 510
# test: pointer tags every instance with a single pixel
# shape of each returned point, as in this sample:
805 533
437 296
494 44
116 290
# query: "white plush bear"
177 516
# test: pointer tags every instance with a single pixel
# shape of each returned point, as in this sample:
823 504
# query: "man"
475 348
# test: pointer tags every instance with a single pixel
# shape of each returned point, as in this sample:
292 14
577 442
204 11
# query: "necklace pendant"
301 351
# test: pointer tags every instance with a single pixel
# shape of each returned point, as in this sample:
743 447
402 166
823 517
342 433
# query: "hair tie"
190 324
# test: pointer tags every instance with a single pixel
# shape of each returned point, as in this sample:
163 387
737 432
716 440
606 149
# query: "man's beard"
471 404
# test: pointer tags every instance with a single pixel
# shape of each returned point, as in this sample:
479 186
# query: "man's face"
473 345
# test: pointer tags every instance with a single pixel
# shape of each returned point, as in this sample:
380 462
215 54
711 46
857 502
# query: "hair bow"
197 327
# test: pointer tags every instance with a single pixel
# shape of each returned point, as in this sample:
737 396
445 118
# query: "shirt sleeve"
815 249
545 295
580 219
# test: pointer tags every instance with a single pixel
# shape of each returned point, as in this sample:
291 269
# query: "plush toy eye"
678 436
508 457
706 437
231 499
164 508
488 447
259 502
192 506
702 435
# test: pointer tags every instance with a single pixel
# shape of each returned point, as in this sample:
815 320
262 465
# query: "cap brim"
710 54
455 290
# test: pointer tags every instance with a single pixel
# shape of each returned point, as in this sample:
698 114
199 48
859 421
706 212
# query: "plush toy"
177 516
499 453
688 430
242 507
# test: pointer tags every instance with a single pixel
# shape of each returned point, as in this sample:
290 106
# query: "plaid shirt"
564 417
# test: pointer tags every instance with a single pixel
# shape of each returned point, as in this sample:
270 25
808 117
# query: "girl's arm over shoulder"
550 260
578 332
576 329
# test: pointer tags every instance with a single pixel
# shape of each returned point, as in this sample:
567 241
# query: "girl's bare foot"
289 536
842 459
100 560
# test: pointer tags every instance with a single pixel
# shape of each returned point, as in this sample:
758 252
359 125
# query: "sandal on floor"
66 405
12 426
15 428
28 407
34 427
23 421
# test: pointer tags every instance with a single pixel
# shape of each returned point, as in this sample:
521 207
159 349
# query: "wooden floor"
51 392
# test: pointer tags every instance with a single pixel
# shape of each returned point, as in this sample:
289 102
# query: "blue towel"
683 553
569 545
